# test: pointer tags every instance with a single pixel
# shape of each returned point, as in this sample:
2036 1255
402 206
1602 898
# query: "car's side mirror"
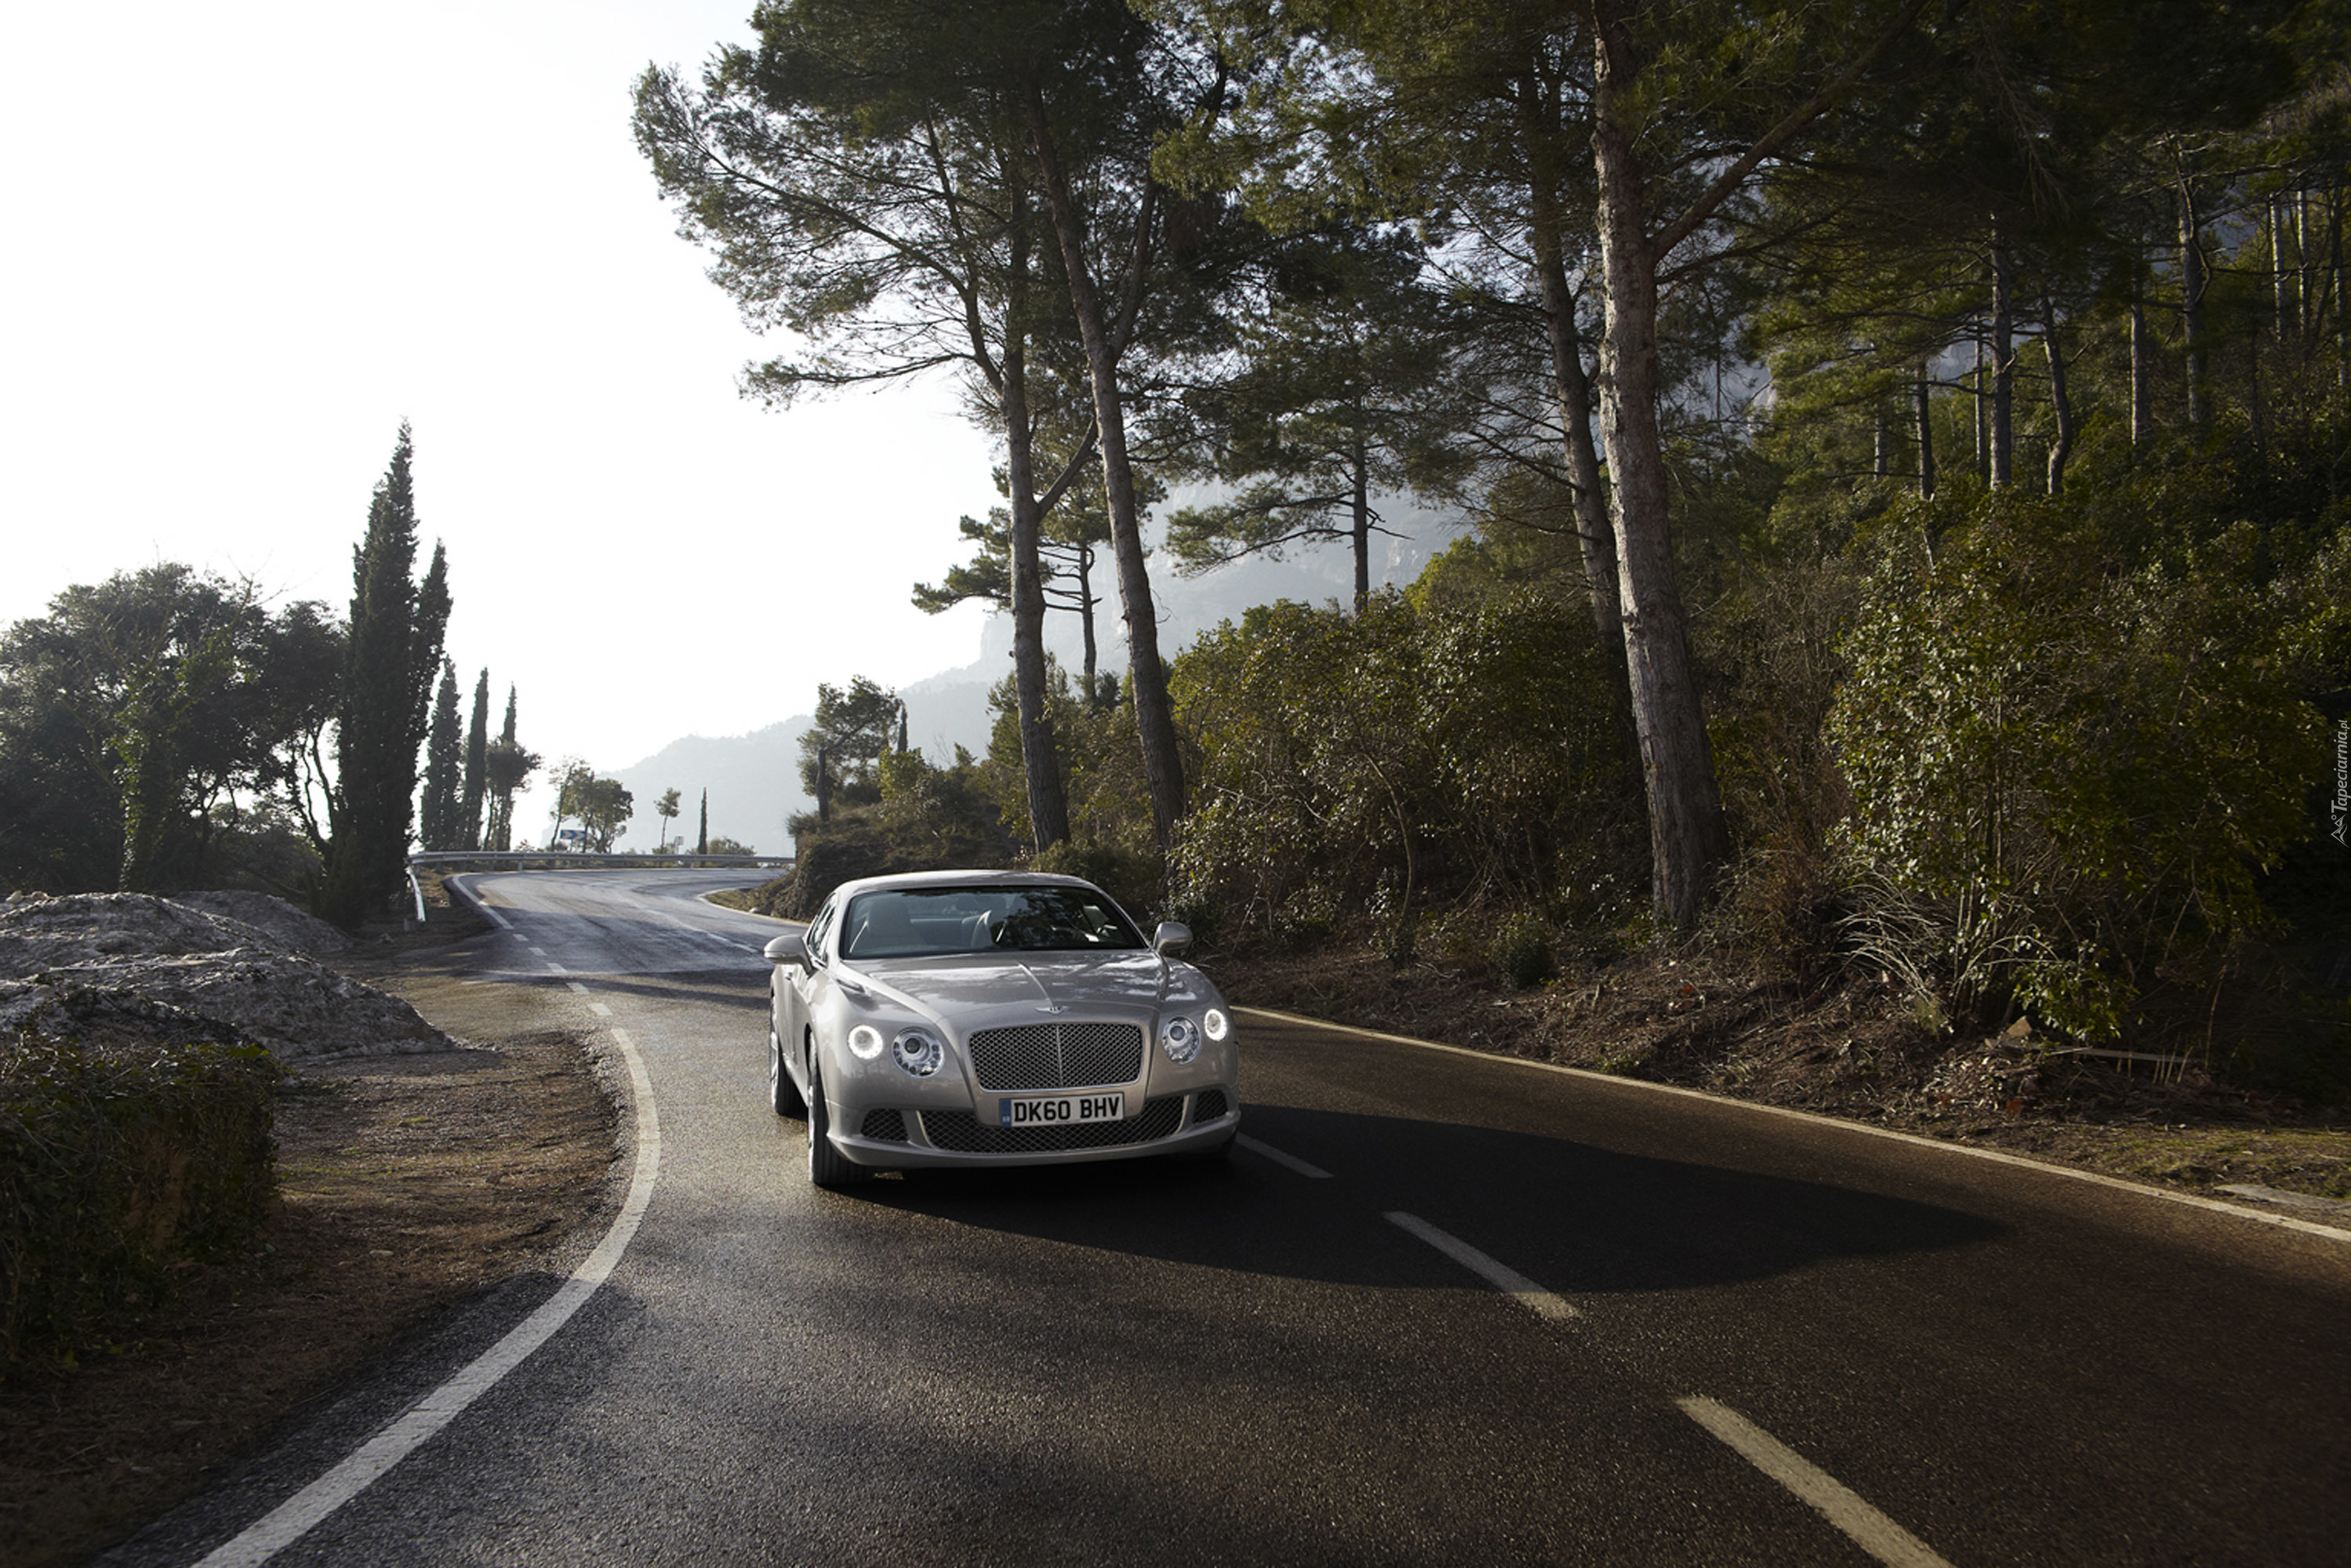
791 947
1172 938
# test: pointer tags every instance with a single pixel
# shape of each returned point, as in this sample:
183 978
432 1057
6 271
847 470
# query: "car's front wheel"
828 1166
782 1092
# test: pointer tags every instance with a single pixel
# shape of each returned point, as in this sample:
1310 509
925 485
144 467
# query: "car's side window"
817 930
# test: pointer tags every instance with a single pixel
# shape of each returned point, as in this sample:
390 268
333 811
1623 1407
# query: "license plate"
1060 1110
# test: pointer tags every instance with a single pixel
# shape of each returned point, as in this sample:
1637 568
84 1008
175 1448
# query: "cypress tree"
702 843
506 766
477 745
394 649
438 828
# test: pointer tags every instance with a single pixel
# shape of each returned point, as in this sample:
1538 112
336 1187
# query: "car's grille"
1058 1055
965 1133
885 1126
1208 1105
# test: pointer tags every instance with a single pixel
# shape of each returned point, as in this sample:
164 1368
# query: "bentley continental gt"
975 1019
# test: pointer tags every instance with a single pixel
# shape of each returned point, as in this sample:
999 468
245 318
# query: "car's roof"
947 879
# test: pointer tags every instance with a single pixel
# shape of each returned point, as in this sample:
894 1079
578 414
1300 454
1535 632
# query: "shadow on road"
1574 1218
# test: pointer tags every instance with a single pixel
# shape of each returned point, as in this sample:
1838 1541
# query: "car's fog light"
1215 1024
918 1052
865 1042
1180 1039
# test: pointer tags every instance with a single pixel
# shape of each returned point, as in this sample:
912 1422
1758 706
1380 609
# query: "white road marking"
555 968
2213 1205
1266 1151
1502 1276
291 1520
1836 1502
577 986
600 1009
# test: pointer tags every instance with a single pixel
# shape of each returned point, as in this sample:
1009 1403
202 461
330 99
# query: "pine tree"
437 817
478 744
395 646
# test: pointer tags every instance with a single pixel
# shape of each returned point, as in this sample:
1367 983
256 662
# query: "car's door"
797 990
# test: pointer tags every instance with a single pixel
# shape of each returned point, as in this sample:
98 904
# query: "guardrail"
565 860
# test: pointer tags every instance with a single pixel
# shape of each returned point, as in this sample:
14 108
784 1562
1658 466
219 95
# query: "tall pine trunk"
1925 414
1086 615
2191 310
2142 385
1687 838
2060 447
1359 522
2000 445
1154 718
1049 810
1595 534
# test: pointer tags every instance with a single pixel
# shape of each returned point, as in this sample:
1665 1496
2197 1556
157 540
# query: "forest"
1904 445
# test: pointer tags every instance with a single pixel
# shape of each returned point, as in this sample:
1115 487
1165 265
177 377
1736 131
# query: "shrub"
1132 878
1521 952
1382 763
2067 771
115 1167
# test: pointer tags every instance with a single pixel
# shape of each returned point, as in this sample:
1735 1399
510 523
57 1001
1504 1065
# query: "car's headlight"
865 1042
918 1052
1180 1039
1215 1024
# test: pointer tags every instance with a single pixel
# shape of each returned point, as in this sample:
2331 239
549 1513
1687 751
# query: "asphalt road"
1441 1308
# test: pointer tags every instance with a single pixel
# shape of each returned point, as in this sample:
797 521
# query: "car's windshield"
922 922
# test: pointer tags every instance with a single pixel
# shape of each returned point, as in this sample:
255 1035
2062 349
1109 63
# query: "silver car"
990 1019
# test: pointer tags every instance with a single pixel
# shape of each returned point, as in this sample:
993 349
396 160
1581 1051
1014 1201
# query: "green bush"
927 819
1422 753
2069 764
1521 952
1132 878
116 1165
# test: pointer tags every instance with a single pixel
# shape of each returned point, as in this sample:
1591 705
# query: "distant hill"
754 778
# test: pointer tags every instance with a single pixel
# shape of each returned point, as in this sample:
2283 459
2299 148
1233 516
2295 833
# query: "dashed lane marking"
1543 1304
600 1009
291 1520
1836 1502
1266 1151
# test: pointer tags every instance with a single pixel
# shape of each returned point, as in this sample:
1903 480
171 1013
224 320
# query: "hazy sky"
245 241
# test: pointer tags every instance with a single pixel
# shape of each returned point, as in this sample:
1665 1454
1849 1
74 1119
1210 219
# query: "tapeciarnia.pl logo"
2342 777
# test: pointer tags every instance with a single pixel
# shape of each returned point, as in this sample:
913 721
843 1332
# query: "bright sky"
245 241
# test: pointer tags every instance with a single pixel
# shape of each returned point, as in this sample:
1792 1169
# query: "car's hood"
997 990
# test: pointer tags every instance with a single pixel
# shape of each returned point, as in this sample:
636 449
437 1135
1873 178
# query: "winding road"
1438 1308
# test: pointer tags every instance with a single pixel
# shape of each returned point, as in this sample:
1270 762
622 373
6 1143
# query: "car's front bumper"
911 1137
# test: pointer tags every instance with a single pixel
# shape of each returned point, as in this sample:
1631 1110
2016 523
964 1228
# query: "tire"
782 1093
828 1166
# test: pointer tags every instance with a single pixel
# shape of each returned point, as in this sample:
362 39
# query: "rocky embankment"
231 966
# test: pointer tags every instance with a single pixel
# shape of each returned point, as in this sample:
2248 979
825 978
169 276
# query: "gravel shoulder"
410 1184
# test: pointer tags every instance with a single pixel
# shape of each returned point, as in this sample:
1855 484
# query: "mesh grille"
885 1126
1208 1105
1058 1055
965 1133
